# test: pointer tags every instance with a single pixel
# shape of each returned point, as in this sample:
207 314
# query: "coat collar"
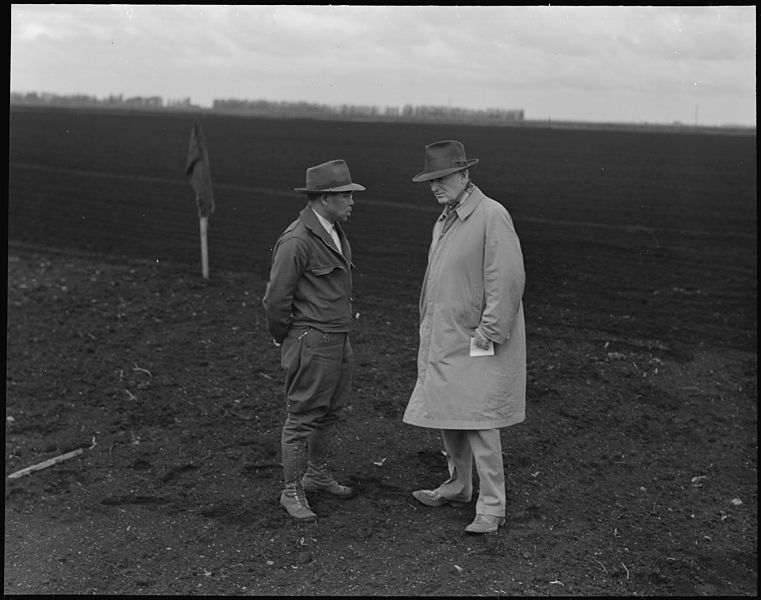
312 223
470 203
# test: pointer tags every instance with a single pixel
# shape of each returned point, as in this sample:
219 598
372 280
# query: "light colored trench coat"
475 279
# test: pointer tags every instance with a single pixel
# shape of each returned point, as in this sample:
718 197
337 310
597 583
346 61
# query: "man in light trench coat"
472 356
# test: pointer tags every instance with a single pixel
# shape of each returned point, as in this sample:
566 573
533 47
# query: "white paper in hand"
476 351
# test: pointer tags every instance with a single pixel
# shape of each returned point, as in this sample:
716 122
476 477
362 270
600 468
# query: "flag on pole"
197 167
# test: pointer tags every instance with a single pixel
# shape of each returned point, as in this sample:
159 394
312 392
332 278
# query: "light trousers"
485 446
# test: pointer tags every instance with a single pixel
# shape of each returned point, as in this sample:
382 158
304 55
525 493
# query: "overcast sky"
594 63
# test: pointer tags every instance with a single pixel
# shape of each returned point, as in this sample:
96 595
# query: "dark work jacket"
310 280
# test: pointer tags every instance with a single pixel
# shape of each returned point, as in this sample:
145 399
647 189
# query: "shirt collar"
324 222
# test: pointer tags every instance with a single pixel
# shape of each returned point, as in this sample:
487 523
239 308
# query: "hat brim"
443 173
349 187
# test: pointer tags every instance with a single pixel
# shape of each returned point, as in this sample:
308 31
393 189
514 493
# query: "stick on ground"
46 463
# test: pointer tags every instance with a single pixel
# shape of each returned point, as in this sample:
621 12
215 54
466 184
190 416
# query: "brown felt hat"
443 158
332 176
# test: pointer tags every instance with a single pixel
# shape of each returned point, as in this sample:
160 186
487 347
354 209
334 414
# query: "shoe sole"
295 518
443 502
500 524
301 519
324 491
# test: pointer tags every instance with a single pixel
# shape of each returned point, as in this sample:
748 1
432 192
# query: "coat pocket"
473 314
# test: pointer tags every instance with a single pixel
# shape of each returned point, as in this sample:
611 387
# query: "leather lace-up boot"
318 476
292 498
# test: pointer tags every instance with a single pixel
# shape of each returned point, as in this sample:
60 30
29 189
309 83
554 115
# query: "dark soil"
635 472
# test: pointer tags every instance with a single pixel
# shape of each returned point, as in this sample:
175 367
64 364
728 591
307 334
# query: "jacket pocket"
323 270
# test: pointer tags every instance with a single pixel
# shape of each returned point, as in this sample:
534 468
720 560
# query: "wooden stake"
204 223
46 463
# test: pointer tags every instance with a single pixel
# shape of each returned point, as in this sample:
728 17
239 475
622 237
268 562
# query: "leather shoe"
318 478
293 500
433 498
331 487
485 524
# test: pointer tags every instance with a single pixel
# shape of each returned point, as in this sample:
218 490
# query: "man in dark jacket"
308 309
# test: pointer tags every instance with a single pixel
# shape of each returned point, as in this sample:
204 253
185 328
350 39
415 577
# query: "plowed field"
634 473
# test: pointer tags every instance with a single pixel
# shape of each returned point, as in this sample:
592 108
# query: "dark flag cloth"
197 168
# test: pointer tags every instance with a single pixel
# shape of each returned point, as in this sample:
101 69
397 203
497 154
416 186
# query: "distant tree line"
407 113
112 100
266 107
269 108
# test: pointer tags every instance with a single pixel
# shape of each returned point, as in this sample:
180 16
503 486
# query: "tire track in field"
631 229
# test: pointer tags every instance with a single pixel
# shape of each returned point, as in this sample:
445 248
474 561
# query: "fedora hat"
329 177
443 158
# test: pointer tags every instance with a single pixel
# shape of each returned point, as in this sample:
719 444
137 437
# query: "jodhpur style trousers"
318 375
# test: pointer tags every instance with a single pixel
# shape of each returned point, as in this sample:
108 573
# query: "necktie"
336 239
448 216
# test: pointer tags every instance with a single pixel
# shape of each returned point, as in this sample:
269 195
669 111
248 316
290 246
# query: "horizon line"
186 102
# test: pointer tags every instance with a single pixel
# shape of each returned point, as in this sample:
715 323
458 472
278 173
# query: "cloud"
475 56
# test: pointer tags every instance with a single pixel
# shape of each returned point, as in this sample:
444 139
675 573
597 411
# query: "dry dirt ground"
634 473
